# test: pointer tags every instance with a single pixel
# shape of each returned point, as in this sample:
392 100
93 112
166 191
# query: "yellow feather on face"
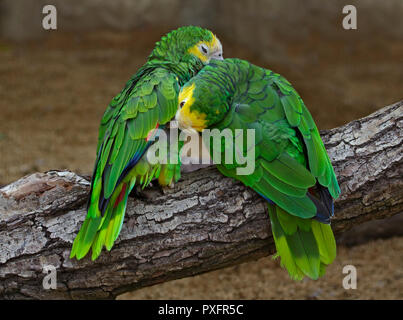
188 118
196 52
213 45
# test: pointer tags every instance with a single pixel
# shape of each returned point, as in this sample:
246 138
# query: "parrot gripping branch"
205 223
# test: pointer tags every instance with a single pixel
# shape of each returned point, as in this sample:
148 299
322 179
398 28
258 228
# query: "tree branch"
206 222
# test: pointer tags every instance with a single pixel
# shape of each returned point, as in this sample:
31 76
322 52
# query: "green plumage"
148 100
291 163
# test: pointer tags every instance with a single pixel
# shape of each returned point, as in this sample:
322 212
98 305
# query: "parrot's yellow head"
207 50
188 44
187 116
203 102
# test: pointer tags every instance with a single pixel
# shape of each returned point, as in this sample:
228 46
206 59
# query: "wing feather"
131 115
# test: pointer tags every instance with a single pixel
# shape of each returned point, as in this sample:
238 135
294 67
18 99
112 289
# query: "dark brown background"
55 85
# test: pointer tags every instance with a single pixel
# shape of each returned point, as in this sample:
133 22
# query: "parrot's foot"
139 193
167 188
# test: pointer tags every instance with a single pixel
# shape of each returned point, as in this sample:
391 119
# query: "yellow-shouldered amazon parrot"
148 101
292 168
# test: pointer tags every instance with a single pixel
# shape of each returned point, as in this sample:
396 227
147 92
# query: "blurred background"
56 84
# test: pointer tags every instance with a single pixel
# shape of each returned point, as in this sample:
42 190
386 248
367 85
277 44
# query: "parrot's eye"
204 49
182 104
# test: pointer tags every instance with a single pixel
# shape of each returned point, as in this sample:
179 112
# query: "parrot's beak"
184 125
217 56
181 124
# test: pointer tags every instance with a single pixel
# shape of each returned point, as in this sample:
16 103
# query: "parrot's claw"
139 193
167 188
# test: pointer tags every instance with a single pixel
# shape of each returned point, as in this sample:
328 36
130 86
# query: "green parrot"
292 170
148 101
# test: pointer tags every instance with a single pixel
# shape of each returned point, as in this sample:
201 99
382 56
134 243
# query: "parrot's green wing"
148 100
290 158
129 119
289 155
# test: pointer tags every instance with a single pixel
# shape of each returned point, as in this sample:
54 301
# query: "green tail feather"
305 246
326 242
101 231
83 241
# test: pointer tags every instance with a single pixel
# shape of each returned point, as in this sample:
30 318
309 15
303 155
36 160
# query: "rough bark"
206 222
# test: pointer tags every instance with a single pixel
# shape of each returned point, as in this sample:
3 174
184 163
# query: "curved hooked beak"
217 56
184 125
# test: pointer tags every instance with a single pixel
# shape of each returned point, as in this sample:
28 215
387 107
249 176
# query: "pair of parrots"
186 78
